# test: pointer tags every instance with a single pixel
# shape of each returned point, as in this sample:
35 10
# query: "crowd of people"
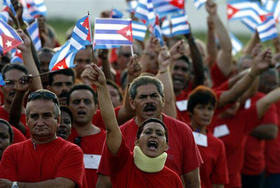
185 114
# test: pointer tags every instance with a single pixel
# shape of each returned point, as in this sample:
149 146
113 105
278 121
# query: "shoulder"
67 146
175 124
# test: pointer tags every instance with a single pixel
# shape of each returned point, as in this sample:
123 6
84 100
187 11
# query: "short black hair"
185 59
201 95
10 130
66 72
12 66
68 111
82 87
156 120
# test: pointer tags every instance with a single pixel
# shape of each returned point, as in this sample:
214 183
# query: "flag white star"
60 67
8 43
128 33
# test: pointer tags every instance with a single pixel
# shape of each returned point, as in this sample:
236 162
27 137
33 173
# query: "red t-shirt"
214 169
25 162
18 136
272 150
126 174
92 145
239 128
183 154
254 159
217 76
5 115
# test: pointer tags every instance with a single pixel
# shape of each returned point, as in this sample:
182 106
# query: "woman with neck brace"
145 166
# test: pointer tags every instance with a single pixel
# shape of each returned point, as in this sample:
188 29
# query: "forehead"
40 106
180 63
14 74
4 128
146 89
65 115
62 78
154 126
81 94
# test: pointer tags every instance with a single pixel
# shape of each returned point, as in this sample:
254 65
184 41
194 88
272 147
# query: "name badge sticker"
91 161
182 105
221 130
200 139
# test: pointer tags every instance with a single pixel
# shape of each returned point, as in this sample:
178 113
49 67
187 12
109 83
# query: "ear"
136 143
132 103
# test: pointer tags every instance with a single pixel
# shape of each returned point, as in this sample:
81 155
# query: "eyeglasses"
42 95
23 80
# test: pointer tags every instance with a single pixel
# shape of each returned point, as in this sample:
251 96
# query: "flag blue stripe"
112 21
127 42
269 37
104 31
267 29
181 32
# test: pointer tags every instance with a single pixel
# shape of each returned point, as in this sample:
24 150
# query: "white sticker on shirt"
221 130
182 105
91 161
247 104
200 139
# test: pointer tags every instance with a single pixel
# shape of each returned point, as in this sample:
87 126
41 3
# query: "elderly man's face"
42 120
148 102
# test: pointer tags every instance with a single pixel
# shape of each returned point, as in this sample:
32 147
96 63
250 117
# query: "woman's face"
152 140
202 115
4 138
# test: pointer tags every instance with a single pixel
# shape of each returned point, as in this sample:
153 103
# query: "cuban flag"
276 11
81 34
4 16
16 56
268 5
2 82
250 24
109 31
7 4
9 38
165 7
35 8
166 28
267 30
132 6
239 9
63 58
180 24
33 31
236 44
199 3
145 11
115 13
138 30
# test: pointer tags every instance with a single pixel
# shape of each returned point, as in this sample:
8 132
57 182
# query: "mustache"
149 107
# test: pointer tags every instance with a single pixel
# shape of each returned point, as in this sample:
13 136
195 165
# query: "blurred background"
62 14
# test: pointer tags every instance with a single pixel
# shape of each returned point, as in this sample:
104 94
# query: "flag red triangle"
178 3
9 43
86 25
231 11
126 32
60 65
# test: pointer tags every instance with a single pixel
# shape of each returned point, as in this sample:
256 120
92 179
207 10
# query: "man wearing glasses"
44 160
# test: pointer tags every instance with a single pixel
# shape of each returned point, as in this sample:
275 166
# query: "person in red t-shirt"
147 99
44 160
6 136
145 166
82 101
201 106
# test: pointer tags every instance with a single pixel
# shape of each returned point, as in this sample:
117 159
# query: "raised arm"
29 61
260 63
211 43
113 132
254 40
134 69
164 75
224 54
197 61
103 56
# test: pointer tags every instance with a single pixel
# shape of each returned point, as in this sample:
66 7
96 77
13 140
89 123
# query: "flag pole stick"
132 52
91 40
